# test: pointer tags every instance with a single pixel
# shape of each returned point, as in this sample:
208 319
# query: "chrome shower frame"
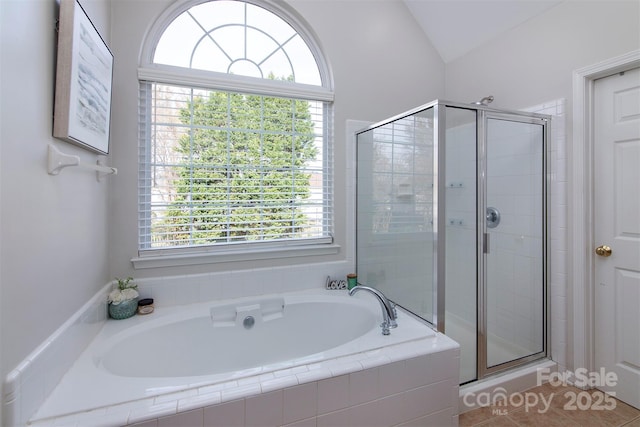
523 117
483 113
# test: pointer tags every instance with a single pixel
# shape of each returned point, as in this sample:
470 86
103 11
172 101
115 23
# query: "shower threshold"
516 380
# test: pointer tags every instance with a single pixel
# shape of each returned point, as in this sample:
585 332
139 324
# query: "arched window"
234 37
235 135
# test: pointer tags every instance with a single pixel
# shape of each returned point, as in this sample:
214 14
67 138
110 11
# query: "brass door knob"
603 250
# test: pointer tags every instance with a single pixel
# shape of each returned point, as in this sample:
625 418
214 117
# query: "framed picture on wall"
84 70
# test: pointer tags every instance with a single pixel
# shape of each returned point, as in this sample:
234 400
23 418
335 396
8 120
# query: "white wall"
53 228
382 64
533 63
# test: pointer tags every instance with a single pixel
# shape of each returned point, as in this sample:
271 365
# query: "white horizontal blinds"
144 170
232 168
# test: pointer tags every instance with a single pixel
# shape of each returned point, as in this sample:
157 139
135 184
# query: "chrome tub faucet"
388 309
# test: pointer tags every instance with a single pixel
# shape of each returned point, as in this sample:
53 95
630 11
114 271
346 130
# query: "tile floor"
561 407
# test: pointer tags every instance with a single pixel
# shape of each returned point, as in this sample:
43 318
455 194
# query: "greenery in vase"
126 290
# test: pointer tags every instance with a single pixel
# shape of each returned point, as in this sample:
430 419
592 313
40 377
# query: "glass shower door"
513 234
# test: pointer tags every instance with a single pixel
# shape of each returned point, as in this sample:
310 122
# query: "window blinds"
223 168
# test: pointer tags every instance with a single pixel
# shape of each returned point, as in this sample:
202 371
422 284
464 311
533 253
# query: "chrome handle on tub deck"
388 309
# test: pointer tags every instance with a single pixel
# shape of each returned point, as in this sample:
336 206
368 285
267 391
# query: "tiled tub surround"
26 386
406 379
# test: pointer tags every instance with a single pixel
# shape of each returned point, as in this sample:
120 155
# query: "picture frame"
84 73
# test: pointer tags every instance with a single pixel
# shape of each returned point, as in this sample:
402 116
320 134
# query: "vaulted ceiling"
456 27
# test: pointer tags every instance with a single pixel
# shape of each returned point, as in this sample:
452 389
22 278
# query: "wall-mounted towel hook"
58 161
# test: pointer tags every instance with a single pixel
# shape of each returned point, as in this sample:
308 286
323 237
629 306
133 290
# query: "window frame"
150 72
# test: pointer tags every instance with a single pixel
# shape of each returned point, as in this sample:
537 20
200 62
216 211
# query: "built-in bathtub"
316 356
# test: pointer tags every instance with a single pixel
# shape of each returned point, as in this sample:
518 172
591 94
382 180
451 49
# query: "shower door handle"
485 243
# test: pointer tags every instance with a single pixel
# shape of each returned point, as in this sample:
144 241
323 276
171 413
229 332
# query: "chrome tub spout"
388 309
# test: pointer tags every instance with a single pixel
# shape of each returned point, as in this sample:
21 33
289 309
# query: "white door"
617 226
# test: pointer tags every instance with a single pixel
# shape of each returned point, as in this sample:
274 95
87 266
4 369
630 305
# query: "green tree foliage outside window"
244 172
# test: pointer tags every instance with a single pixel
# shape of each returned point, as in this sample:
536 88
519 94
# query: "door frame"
581 204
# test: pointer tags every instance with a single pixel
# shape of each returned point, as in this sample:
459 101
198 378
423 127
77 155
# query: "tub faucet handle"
385 328
392 321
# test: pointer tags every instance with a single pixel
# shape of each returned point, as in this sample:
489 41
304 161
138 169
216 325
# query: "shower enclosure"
451 225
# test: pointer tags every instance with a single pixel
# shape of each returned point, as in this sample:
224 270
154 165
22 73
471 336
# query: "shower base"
464 333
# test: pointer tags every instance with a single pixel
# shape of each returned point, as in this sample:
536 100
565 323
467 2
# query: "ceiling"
456 27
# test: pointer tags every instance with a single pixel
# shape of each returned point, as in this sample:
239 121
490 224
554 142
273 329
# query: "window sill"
176 260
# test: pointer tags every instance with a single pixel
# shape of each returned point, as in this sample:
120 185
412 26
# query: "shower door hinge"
485 243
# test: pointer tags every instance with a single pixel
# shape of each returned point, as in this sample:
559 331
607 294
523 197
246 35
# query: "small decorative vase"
123 310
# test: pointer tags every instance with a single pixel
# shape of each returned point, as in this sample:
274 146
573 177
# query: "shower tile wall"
461 247
460 170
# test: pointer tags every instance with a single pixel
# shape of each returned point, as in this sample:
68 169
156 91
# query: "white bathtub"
210 339
135 365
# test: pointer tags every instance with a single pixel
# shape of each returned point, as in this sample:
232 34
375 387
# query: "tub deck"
90 395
